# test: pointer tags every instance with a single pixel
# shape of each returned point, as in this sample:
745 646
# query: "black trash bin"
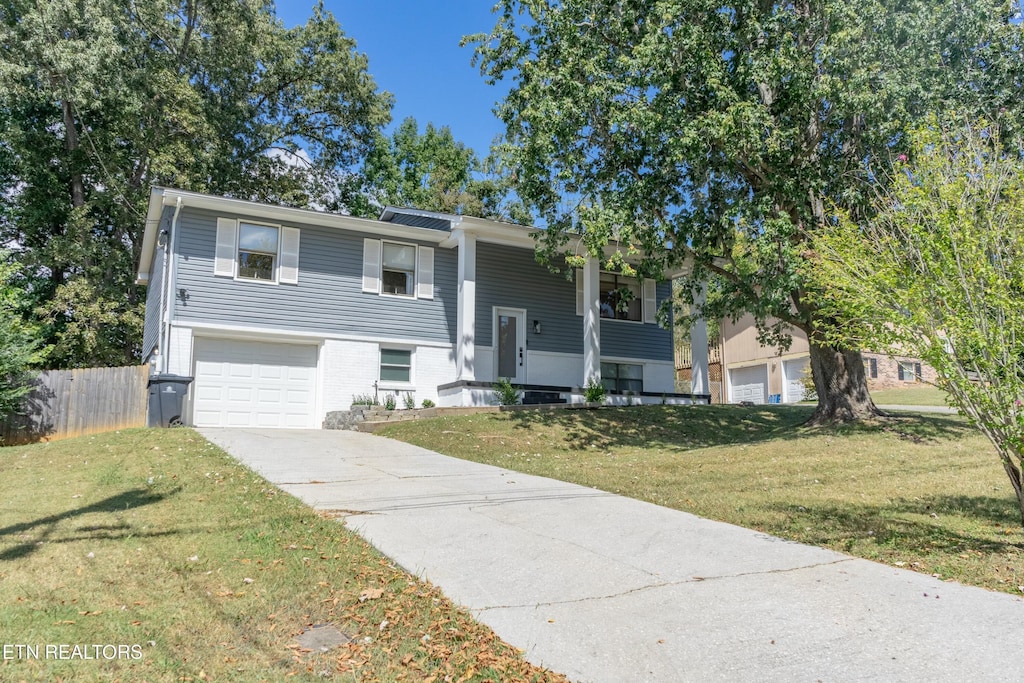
166 398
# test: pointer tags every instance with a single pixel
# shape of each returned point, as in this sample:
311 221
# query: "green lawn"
925 493
156 542
910 395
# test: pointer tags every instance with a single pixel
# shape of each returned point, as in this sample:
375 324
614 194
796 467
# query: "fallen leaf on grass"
371 594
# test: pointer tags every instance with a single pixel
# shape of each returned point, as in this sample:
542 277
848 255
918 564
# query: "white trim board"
301 337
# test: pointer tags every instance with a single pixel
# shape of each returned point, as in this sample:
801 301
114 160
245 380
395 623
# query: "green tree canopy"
716 136
939 273
100 100
435 172
19 342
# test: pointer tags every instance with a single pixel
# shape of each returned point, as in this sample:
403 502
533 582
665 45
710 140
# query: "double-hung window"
395 365
871 368
398 269
398 272
257 252
254 251
622 377
620 297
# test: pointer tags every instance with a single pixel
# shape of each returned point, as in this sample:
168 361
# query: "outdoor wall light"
183 294
536 327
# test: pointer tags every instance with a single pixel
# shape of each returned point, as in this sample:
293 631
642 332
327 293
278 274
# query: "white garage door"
749 384
253 384
793 371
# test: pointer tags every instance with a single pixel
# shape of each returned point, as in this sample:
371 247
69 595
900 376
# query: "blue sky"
414 53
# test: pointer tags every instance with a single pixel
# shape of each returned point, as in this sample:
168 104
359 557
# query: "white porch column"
699 383
591 321
465 340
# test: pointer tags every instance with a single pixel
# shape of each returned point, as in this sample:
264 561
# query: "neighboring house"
753 372
282 315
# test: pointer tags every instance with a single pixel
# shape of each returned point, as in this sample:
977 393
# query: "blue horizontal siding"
510 276
328 297
151 322
638 340
151 326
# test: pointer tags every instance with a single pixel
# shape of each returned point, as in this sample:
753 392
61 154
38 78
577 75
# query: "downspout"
165 301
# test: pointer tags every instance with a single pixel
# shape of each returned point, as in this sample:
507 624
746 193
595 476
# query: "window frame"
634 283
871 368
617 388
275 264
411 276
914 369
395 383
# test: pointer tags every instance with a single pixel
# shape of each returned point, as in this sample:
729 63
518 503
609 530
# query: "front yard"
922 492
150 555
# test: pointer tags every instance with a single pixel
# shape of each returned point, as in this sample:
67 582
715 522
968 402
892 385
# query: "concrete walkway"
605 588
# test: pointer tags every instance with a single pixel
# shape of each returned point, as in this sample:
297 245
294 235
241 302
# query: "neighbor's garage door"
749 384
253 384
794 376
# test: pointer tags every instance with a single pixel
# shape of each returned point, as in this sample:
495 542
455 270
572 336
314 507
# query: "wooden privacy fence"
66 403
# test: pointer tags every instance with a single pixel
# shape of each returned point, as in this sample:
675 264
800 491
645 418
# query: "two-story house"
282 315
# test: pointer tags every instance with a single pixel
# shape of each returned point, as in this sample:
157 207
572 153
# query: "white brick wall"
347 368
350 368
433 366
180 351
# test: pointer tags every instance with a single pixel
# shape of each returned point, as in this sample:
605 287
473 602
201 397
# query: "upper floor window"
257 252
250 251
398 272
396 268
620 297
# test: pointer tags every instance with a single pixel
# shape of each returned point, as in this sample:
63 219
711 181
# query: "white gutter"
165 302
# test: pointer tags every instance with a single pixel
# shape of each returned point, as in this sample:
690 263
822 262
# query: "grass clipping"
157 543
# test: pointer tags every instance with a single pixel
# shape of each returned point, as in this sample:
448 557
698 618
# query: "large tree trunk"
841 385
71 145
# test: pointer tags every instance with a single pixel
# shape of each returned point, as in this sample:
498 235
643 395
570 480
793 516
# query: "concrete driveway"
606 588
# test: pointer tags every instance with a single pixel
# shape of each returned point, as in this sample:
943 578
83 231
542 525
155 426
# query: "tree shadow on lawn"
889 527
47 526
687 427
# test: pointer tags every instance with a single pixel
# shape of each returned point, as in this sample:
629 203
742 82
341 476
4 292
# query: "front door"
510 334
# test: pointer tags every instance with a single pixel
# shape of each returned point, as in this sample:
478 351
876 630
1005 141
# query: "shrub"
365 400
409 400
390 402
427 403
594 392
506 394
